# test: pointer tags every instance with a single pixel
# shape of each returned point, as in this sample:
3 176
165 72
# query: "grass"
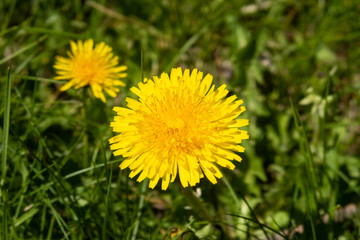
6 129
295 64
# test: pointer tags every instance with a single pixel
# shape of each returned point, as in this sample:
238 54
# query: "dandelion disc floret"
180 125
89 65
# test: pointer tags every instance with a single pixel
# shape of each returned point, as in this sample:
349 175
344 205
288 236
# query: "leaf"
324 54
26 216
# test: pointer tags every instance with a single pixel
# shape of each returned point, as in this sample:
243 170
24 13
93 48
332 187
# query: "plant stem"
85 139
197 204
5 130
203 212
237 202
141 205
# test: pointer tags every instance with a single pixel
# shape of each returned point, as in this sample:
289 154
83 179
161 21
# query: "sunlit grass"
295 64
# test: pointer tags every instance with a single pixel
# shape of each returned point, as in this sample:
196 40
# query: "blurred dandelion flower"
179 125
87 65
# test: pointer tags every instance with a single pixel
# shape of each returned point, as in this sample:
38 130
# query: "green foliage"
295 64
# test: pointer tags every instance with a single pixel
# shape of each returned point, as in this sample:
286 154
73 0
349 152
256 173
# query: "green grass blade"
70 175
25 63
233 195
20 202
40 79
8 15
6 129
9 30
132 20
44 221
197 204
141 205
56 179
49 235
188 226
232 192
23 49
76 173
26 216
107 200
323 120
304 146
4 224
53 32
309 186
185 48
58 218
85 149
263 225
44 31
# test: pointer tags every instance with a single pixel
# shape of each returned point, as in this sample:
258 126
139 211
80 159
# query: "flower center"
88 68
88 71
176 131
177 125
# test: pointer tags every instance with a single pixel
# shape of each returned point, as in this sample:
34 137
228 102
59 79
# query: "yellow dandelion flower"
179 125
87 65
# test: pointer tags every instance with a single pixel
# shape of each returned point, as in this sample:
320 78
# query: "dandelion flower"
87 65
180 125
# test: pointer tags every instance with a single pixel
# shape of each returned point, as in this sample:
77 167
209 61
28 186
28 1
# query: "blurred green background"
295 63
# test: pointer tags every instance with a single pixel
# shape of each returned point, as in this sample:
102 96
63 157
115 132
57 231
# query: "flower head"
87 65
179 125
